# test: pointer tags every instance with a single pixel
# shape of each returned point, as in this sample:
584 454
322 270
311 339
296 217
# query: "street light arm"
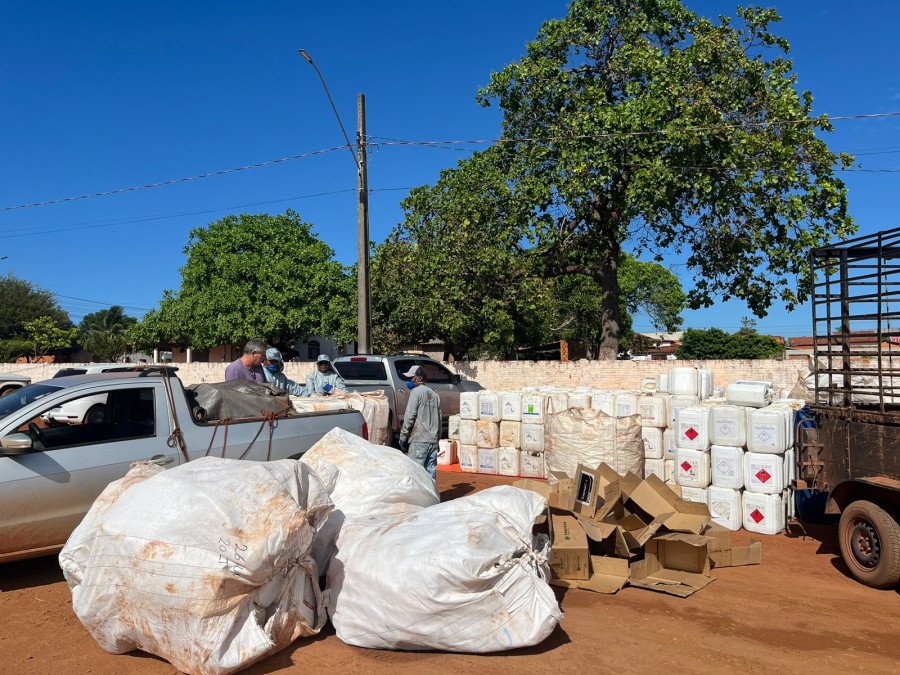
309 60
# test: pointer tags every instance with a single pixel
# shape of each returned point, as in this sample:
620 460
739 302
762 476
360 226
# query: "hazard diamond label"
722 509
763 476
691 433
686 465
757 516
725 429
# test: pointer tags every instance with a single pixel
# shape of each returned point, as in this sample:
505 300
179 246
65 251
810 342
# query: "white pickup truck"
50 475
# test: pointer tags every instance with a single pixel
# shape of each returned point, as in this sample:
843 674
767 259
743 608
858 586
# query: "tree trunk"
607 277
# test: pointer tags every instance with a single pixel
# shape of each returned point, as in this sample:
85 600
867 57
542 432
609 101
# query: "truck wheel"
869 538
95 415
391 435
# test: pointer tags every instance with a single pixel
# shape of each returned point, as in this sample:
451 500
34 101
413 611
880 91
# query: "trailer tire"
869 538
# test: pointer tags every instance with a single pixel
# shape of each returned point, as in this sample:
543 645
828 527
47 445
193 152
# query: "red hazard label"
763 475
691 433
757 516
686 465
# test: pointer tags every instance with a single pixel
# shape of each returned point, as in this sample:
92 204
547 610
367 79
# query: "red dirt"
798 610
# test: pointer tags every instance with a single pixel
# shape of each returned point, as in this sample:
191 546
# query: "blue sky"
98 96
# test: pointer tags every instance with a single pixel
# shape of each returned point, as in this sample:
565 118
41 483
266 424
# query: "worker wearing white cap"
421 422
273 370
325 379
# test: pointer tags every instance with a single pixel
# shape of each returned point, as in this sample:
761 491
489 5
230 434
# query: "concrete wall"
515 374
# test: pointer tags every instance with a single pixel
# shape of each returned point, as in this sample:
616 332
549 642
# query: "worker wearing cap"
325 379
273 370
421 422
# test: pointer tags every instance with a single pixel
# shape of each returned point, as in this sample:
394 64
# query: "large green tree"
639 124
105 333
254 276
47 335
715 343
20 302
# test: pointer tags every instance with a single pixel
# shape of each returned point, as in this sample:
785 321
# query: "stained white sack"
207 565
364 479
591 437
463 576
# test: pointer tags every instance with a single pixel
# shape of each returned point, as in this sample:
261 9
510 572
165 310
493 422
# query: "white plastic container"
692 468
468 434
676 403
683 381
579 400
604 401
764 473
728 425
662 383
508 461
533 409
670 471
453 427
705 383
653 442
750 393
727 466
763 514
725 507
487 434
669 447
510 434
626 404
790 468
489 406
648 385
653 411
511 406
487 460
768 430
557 401
468 458
468 405
532 437
446 452
692 494
531 464
656 467
692 428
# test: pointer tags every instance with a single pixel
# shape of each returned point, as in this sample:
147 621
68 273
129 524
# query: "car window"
402 365
65 372
361 370
100 417
21 397
435 373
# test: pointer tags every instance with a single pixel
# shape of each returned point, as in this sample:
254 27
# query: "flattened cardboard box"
686 553
737 557
569 557
654 498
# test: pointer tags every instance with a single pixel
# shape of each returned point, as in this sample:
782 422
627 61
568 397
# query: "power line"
101 302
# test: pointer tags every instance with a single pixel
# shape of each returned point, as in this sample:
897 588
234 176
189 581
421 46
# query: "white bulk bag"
463 576
207 565
589 437
364 480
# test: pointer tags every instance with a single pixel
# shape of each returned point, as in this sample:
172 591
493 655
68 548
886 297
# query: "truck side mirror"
15 444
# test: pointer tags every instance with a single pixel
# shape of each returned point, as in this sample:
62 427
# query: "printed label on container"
725 467
763 476
764 434
722 509
465 407
690 433
725 428
757 516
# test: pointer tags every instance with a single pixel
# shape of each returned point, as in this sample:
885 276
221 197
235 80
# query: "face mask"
272 368
410 385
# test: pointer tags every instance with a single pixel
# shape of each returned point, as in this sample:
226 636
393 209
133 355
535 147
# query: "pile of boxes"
608 531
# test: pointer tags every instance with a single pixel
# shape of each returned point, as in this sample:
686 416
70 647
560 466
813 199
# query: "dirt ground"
798 610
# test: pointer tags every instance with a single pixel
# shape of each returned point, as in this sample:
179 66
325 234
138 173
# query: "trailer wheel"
869 538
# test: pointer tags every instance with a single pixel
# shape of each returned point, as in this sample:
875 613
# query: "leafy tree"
20 302
253 276
105 333
639 123
714 343
48 335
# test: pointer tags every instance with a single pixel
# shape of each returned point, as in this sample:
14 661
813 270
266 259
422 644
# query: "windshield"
22 397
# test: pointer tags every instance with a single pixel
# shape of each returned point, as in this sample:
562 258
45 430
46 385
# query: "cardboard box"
737 557
543 488
564 497
720 537
609 535
569 557
637 531
608 575
674 563
654 498
586 485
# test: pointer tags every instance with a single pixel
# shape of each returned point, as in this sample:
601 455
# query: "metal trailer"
854 452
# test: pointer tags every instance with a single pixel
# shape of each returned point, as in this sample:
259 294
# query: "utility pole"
364 308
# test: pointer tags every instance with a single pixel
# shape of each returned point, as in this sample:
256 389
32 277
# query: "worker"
421 422
325 379
273 369
249 366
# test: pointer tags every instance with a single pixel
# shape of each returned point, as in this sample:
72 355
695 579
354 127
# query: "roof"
664 337
860 337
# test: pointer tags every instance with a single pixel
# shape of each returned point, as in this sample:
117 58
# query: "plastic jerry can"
653 442
489 406
453 427
728 425
487 460
625 404
676 403
669 447
604 401
725 507
684 382
511 406
763 514
750 393
532 464
727 466
446 452
508 461
768 430
692 494
648 385
692 468
468 405
579 400
467 432
692 428
532 437
468 458
705 383
487 434
510 434
764 473
670 470
653 411
656 467
662 383
533 408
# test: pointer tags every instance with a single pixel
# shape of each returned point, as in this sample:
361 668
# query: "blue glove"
403 444
327 388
